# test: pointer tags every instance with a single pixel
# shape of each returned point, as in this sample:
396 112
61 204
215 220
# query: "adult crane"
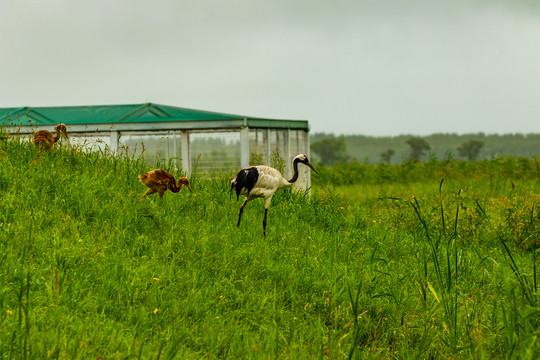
263 181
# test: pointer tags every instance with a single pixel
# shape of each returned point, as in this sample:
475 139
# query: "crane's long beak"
312 168
189 187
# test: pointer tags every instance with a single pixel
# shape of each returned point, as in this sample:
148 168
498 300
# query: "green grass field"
399 265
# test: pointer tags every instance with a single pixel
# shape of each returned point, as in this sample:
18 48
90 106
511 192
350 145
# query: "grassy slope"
86 271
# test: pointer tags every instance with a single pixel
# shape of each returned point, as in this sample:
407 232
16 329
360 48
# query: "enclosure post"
288 151
267 138
308 154
186 156
114 142
244 146
175 152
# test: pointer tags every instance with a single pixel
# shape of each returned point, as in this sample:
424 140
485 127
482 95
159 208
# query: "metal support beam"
113 145
186 154
288 155
244 147
267 140
164 126
308 154
174 151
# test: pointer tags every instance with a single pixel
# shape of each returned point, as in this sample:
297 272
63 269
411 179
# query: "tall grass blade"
522 280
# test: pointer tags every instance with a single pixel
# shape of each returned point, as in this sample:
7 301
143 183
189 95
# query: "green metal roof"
125 114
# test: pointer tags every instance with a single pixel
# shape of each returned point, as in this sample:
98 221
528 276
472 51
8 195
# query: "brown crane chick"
159 181
45 139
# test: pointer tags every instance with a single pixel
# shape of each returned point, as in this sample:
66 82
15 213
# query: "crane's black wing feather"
246 179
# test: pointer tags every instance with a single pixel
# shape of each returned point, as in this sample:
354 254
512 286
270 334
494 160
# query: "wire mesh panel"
294 145
215 153
90 142
257 149
136 146
157 150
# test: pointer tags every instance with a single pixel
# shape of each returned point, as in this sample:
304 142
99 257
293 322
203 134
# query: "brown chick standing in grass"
160 181
45 139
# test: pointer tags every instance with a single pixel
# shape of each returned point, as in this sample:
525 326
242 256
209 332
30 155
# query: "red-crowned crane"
159 181
262 181
45 139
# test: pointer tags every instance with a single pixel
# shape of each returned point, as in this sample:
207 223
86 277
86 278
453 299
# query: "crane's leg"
148 192
241 211
267 202
161 191
264 221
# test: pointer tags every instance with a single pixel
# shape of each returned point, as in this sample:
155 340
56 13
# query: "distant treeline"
331 149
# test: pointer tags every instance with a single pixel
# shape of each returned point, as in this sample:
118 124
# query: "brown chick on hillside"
159 181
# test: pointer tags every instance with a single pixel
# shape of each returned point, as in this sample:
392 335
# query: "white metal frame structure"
259 135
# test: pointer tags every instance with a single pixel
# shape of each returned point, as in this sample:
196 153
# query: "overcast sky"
370 67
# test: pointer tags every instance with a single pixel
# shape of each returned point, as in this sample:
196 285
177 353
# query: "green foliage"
370 148
418 148
510 169
394 264
470 149
330 150
386 156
